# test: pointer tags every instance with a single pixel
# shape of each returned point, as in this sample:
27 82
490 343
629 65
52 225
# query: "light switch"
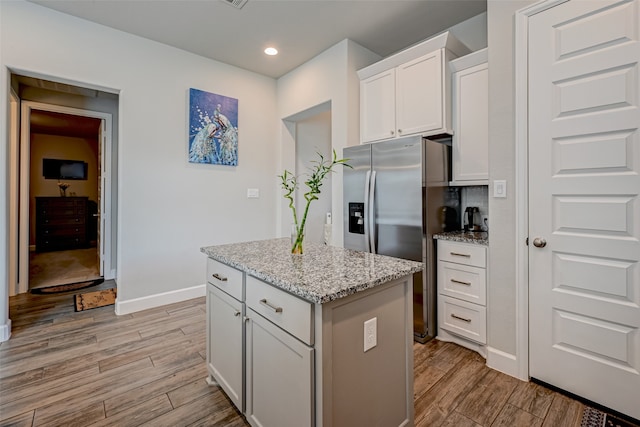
370 334
500 188
253 193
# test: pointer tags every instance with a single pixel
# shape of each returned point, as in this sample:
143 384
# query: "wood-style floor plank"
95 368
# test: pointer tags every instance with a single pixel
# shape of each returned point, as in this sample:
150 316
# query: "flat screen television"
64 169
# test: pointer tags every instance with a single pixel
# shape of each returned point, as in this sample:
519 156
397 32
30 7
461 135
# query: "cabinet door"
279 377
420 95
471 124
377 107
224 343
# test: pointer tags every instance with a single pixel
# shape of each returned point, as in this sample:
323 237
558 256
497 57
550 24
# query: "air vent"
235 3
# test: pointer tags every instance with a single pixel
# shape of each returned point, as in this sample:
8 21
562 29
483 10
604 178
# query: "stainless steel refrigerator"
393 200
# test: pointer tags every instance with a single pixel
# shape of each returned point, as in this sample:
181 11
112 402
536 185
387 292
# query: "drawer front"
462 253
463 318
77 231
290 313
463 282
225 278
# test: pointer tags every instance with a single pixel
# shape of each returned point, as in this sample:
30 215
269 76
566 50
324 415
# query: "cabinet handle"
392 132
271 306
464 319
219 277
459 254
237 313
399 130
461 282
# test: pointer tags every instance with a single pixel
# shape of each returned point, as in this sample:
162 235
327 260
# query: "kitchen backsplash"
478 196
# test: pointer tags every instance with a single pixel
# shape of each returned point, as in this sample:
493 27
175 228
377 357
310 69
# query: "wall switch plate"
253 193
500 188
370 334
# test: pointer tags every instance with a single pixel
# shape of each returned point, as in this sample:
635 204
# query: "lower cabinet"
279 376
462 282
225 332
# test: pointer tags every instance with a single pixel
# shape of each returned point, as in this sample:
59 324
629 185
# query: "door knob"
539 242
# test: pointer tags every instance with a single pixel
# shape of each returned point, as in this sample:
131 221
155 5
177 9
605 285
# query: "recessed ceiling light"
271 51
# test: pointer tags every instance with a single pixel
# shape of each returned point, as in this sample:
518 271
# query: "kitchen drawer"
290 313
463 318
225 278
463 282
462 253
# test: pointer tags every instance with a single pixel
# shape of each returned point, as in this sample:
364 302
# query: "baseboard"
158 300
504 362
5 331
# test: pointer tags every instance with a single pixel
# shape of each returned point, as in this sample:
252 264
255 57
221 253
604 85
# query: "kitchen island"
324 338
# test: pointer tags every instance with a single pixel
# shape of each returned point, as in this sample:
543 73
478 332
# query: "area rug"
592 417
67 287
61 267
89 300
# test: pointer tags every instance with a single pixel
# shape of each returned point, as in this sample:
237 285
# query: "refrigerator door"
355 197
397 230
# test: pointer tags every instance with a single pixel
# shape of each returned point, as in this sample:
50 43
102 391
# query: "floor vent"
235 3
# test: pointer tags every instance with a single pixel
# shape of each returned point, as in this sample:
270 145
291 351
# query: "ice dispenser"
356 218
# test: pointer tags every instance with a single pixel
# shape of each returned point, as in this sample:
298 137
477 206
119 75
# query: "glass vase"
297 237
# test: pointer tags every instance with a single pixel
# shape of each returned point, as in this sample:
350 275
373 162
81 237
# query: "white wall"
501 290
329 77
168 208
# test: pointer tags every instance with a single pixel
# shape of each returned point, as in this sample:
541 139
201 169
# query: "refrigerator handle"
372 206
367 181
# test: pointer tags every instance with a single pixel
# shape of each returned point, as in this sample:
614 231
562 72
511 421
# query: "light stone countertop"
321 274
473 237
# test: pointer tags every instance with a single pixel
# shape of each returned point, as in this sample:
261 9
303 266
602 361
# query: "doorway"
71 128
64 191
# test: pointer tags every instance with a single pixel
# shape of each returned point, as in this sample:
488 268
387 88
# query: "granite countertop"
473 237
321 274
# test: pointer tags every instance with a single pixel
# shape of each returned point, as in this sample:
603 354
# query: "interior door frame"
105 185
521 84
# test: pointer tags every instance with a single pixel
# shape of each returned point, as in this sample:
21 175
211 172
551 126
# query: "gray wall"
501 327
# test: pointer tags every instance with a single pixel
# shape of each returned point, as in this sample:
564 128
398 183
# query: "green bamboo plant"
289 183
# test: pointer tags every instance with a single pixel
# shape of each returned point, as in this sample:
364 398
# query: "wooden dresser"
61 223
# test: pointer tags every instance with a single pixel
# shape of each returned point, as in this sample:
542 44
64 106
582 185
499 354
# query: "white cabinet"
462 312
408 93
279 376
225 329
225 342
470 152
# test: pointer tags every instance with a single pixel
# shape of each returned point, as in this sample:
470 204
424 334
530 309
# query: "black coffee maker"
469 218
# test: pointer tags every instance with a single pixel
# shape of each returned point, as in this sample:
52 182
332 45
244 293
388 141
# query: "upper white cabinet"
470 153
409 93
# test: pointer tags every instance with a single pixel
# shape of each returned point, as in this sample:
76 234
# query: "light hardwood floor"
93 368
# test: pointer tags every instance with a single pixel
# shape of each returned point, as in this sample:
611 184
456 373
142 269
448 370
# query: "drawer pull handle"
461 282
219 277
237 313
459 254
464 319
271 306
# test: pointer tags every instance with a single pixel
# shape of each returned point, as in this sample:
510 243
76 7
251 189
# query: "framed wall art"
213 128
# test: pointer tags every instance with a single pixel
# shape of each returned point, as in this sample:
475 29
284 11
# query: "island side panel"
373 387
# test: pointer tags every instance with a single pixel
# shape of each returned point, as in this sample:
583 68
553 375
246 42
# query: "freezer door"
398 198
355 209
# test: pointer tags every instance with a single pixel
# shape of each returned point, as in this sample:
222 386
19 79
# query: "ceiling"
50 123
299 29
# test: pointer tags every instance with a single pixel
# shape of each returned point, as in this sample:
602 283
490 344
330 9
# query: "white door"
584 161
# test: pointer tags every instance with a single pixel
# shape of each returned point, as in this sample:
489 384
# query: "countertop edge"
473 238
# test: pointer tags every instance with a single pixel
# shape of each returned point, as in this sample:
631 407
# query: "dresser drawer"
463 282
290 313
462 253
463 318
225 278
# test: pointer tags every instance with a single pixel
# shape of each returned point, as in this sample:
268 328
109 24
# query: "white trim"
521 82
5 331
25 118
446 336
504 362
158 300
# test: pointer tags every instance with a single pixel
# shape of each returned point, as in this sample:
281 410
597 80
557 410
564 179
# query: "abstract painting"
213 128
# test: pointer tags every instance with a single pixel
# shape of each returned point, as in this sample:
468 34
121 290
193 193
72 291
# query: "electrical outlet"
370 334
